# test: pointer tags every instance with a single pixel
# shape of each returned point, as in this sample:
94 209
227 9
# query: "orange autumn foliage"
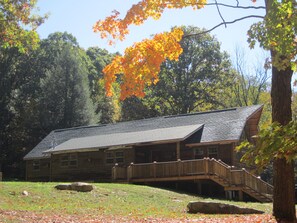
117 28
140 64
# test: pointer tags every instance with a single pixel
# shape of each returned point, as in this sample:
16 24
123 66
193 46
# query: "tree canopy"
198 80
18 24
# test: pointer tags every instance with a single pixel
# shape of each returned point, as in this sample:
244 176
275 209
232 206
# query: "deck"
229 178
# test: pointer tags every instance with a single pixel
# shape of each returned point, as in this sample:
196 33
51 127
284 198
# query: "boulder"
81 187
77 186
63 187
219 208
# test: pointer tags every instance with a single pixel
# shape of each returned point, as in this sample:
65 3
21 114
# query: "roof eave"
212 142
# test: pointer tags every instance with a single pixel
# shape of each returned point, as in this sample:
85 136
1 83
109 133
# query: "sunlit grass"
105 199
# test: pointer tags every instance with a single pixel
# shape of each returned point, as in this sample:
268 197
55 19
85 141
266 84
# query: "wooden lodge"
197 148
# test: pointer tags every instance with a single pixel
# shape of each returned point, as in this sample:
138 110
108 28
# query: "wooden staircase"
211 169
264 198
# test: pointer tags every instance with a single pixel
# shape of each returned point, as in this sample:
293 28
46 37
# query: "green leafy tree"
135 108
106 107
18 24
200 77
294 106
19 126
196 82
65 99
277 33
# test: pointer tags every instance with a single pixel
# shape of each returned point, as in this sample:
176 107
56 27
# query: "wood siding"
224 152
38 174
90 165
159 153
97 165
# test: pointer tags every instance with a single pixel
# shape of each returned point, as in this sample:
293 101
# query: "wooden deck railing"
186 168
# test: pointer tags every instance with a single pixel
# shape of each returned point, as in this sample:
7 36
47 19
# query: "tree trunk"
283 171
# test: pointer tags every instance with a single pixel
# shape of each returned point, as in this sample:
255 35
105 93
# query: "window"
109 157
114 157
36 165
69 160
212 152
199 153
119 157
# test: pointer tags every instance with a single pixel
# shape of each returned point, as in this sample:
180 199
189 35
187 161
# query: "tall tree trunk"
283 171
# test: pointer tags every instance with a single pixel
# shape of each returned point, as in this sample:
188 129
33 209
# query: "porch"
200 169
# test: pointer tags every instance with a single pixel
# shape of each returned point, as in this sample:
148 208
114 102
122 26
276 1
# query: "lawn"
108 203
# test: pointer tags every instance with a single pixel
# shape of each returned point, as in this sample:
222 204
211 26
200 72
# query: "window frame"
113 157
36 165
69 160
211 153
199 153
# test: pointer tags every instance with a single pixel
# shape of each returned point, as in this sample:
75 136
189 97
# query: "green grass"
106 199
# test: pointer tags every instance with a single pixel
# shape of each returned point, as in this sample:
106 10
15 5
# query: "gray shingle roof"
220 125
176 134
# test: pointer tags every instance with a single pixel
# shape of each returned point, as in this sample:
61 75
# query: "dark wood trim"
212 143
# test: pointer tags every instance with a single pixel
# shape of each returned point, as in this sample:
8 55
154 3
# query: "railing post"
212 166
179 166
130 172
155 169
114 171
243 177
206 165
229 175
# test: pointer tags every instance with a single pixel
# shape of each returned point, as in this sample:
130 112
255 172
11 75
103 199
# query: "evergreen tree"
65 100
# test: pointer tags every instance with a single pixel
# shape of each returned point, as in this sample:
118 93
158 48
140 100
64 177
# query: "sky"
78 17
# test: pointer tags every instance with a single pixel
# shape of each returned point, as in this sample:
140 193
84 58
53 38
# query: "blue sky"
78 17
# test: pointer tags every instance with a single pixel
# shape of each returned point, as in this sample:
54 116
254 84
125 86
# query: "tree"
18 24
276 32
134 108
294 106
65 99
199 78
198 81
250 83
19 92
106 107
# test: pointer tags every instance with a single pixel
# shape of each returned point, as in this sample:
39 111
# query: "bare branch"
220 13
237 6
224 23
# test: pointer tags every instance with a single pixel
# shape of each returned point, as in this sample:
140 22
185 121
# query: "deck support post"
240 195
199 187
229 195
